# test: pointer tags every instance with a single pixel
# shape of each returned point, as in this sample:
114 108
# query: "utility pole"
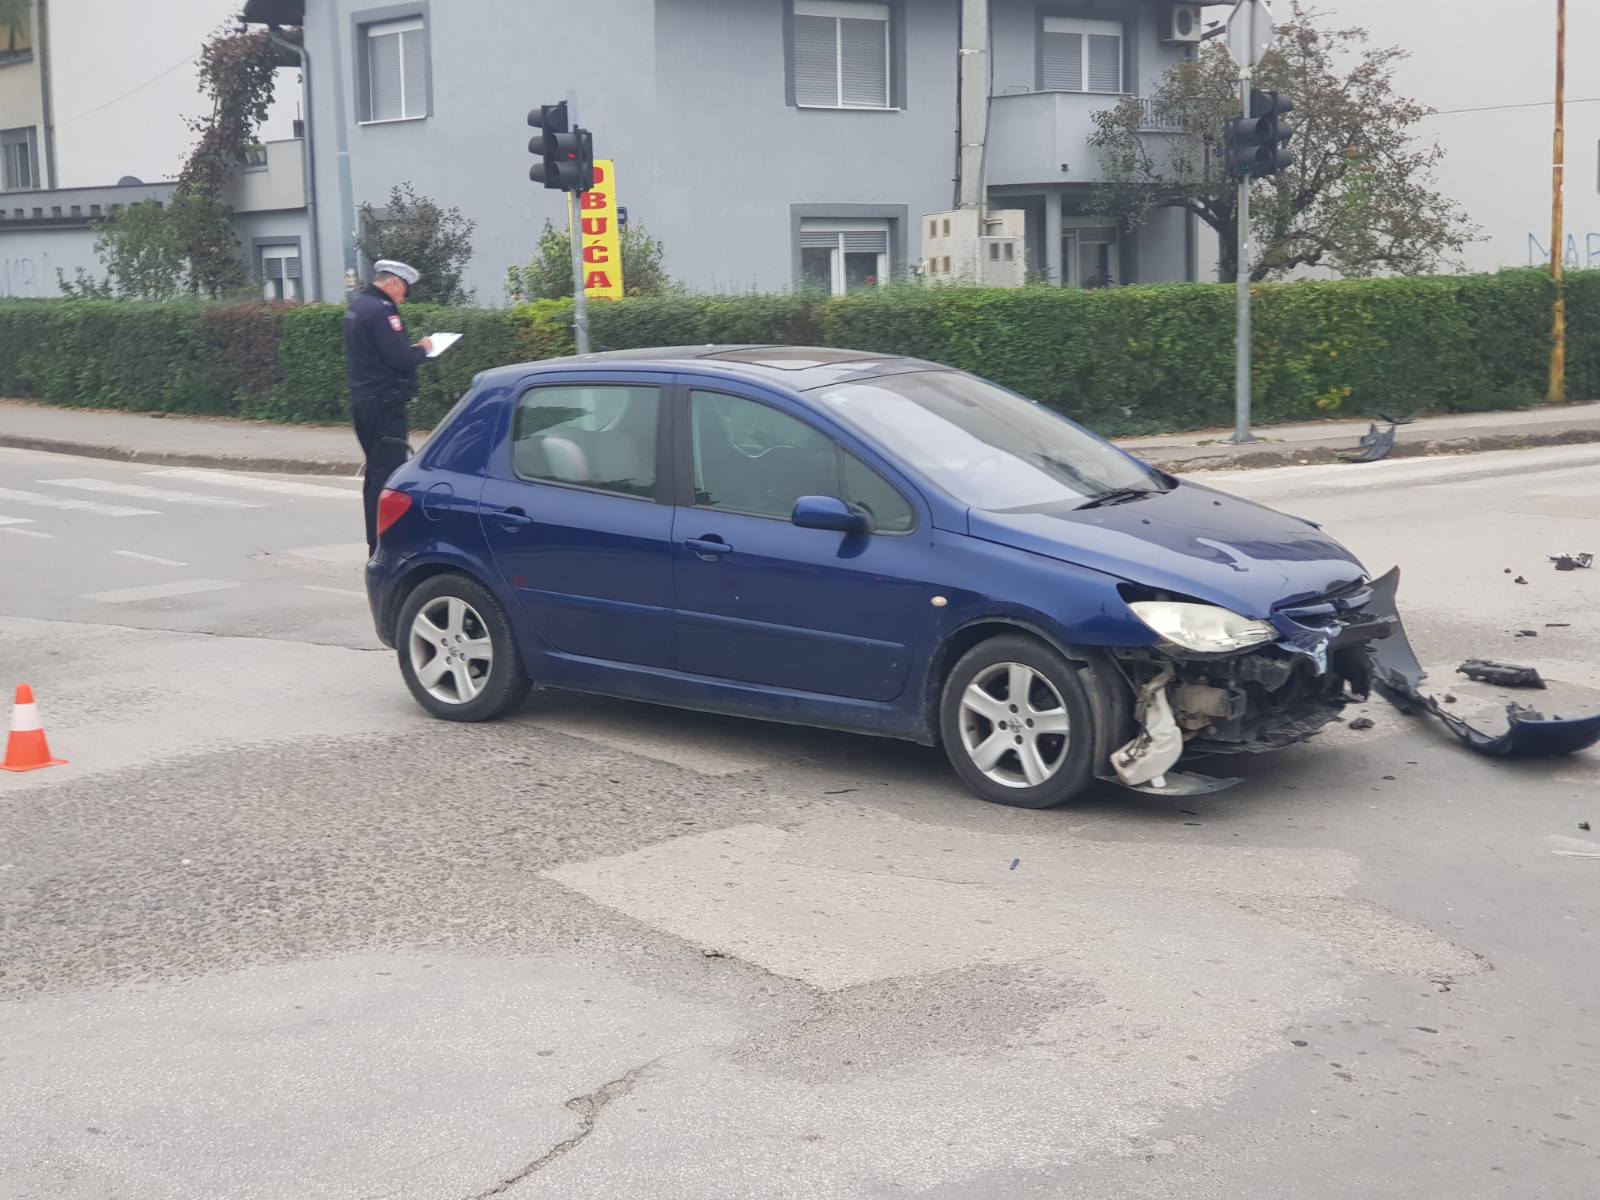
580 298
1558 254
1241 353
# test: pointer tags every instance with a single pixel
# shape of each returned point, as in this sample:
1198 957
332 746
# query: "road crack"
588 1107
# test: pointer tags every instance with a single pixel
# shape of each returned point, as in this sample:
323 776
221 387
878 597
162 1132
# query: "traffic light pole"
1241 369
580 300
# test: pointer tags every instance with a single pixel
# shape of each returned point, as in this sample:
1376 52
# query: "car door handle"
512 518
707 548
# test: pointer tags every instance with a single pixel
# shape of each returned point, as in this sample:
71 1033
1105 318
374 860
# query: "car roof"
796 367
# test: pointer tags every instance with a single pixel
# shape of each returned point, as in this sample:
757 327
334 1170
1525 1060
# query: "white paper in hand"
442 342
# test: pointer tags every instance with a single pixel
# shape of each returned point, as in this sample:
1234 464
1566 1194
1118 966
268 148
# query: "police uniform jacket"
380 360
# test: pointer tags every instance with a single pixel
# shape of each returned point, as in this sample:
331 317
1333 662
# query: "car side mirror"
828 512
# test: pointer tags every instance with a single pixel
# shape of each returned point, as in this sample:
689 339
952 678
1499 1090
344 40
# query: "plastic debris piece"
1572 562
1500 674
1361 724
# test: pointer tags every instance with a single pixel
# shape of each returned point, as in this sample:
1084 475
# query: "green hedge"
1126 360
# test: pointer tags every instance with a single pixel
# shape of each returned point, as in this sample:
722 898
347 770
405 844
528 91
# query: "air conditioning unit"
1180 25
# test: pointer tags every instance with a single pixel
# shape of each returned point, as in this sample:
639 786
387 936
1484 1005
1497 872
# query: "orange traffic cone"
27 750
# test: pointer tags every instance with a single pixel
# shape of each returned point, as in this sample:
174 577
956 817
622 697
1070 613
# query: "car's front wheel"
458 653
1017 723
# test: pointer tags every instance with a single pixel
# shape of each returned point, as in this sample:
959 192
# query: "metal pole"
1241 370
580 299
1558 340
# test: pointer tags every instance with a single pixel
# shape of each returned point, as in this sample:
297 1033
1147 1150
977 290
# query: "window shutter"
383 70
1105 63
1063 62
864 62
416 73
811 239
866 242
291 267
816 62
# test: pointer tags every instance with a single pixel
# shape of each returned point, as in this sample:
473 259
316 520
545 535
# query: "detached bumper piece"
1398 678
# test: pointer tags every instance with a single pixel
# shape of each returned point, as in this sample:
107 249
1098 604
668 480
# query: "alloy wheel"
450 650
1014 725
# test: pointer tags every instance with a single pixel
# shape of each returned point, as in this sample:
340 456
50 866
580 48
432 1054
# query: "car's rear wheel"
458 652
1017 723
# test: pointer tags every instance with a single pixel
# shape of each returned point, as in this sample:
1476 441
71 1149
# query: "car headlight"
1203 628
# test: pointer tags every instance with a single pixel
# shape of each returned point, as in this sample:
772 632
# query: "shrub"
1123 360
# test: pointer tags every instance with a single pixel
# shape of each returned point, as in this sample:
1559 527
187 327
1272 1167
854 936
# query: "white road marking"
33 533
140 492
255 483
333 591
105 510
150 558
16 520
160 591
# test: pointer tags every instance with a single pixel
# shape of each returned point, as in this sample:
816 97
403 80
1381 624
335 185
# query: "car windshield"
987 447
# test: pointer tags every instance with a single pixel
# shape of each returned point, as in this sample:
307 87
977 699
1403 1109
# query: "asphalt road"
272 933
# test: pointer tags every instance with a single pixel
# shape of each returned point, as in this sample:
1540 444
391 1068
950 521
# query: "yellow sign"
602 247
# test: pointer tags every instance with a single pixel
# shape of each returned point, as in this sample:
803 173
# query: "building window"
843 256
15 39
841 54
397 70
253 157
1080 56
19 160
280 272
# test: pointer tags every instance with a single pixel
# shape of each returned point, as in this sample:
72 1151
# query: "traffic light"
566 156
1269 110
1254 144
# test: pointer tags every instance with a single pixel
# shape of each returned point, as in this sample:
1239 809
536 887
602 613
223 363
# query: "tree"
413 229
549 275
1360 198
152 251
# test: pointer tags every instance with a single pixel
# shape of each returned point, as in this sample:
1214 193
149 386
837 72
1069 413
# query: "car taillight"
392 505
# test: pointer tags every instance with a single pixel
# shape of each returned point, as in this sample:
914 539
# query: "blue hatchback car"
863 543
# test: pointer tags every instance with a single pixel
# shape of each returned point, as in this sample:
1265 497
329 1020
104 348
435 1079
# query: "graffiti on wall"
1574 259
26 275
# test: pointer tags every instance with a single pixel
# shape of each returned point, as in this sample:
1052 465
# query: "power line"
130 91
1444 112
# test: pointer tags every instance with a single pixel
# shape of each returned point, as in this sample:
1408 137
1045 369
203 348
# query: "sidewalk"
332 450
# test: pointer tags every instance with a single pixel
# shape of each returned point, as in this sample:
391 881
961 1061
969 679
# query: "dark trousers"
381 429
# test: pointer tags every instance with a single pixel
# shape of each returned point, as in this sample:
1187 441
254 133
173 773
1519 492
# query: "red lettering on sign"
599 174
596 280
595 226
596 254
591 199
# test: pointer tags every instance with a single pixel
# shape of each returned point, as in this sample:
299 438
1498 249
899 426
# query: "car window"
864 488
989 448
751 458
594 437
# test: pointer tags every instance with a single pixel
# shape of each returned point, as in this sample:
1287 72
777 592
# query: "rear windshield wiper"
1123 495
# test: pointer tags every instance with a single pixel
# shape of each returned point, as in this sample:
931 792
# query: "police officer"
381 365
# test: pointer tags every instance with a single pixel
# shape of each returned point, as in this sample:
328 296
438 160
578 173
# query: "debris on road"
1558 624
1583 825
1362 724
1398 676
1014 863
1481 670
1527 633
1519 579
1374 444
1572 562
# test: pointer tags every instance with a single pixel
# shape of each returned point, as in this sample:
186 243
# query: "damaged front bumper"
1330 653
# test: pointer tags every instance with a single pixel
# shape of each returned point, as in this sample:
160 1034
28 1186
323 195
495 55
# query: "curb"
1242 460
1305 456
168 458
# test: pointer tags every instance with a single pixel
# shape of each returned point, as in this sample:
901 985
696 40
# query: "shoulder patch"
394 323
